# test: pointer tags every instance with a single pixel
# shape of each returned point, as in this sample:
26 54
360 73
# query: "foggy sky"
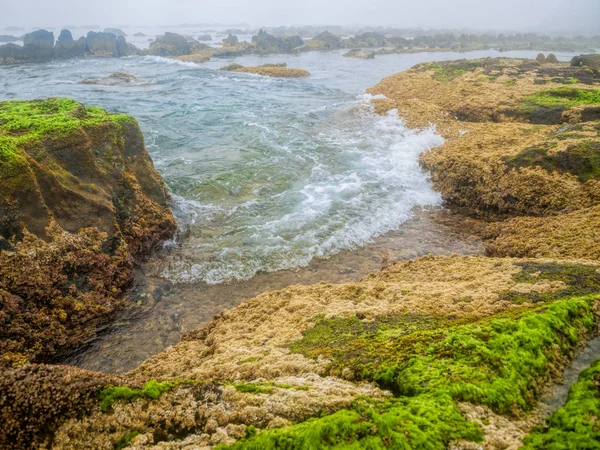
533 15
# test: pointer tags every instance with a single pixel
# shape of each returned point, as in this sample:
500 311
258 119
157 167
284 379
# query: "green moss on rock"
575 425
151 390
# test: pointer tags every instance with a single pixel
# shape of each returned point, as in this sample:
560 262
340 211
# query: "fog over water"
573 16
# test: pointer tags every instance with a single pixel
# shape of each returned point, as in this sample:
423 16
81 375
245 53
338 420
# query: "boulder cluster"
41 46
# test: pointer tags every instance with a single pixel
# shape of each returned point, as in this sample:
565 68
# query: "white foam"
364 182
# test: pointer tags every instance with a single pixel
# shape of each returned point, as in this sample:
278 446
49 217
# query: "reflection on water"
166 310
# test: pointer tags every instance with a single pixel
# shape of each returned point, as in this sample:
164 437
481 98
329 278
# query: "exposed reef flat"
268 70
522 143
80 202
432 353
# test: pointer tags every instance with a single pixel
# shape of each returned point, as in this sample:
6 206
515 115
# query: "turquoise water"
266 174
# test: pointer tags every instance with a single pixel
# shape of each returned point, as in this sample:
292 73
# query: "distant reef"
41 46
80 203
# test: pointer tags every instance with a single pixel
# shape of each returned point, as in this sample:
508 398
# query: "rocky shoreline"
437 352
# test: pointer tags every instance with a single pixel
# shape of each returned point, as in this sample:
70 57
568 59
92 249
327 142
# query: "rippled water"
265 173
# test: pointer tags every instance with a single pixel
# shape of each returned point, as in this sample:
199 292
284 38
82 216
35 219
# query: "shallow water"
274 181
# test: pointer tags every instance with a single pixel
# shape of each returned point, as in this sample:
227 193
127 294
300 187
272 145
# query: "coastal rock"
551 58
268 70
326 41
540 58
38 45
360 54
66 47
116 31
139 34
592 61
11 53
170 44
204 37
267 43
118 78
231 41
101 44
80 202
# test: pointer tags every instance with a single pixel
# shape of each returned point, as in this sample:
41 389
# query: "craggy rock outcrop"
521 140
231 41
267 43
66 47
326 41
37 46
80 202
170 44
40 46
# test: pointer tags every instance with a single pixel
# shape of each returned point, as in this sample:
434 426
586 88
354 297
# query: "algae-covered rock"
117 78
268 70
360 54
231 40
80 201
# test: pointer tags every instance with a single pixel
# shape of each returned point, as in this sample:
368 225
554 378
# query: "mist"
568 16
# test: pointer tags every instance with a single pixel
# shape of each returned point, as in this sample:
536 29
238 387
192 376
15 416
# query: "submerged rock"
114 79
80 202
360 54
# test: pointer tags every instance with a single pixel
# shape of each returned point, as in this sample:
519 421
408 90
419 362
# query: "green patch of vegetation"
125 440
575 425
497 362
501 362
425 422
511 82
248 360
581 160
253 388
444 72
151 390
564 97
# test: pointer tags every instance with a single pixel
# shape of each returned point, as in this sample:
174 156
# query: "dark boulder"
540 58
551 58
592 61
171 44
116 31
205 37
38 45
66 47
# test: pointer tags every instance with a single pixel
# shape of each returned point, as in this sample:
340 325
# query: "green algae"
501 362
151 390
125 440
497 361
581 160
575 425
266 387
560 98
426 422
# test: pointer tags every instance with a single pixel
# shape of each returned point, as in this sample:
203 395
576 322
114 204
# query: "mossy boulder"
592 61
80 201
